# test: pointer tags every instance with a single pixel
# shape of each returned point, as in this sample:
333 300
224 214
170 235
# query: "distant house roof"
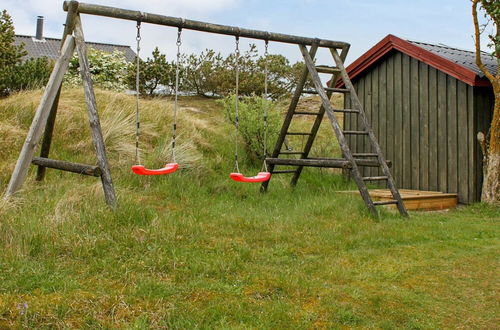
455 62
49 47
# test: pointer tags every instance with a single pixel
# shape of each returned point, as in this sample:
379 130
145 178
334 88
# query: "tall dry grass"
72 136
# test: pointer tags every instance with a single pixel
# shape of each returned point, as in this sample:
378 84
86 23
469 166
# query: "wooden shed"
426 104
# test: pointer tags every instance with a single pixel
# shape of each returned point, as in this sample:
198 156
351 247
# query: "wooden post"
95 125
40 119
49 128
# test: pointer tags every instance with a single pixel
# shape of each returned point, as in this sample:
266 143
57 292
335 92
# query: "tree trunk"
491 166
491 181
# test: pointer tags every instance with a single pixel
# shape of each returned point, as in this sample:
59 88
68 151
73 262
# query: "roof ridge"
89 42
456 64
440 44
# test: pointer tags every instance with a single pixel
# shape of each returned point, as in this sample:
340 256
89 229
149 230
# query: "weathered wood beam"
321 162
133 15
332 163
355 102
67 166
95 125
40 118
49 128
327 69
327 106
362 162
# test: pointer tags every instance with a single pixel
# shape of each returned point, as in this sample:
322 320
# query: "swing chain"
174 125
265 97
137 90
236 118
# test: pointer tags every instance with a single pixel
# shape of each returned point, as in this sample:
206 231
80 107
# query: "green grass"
196 250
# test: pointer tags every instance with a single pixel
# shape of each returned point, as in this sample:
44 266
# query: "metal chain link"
137 92
236 118
265 97
177 64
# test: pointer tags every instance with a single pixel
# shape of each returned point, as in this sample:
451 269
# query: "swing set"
174 166
73 38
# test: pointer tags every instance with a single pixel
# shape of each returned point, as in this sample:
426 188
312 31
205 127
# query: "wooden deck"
417 199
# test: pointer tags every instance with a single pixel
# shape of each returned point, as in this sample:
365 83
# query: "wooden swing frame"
73 38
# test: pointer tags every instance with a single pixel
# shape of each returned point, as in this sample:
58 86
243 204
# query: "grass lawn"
196 250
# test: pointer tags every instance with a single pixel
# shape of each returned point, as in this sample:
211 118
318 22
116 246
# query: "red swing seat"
260 177
167 169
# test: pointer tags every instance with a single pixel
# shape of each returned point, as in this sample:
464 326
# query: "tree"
491 147
204 73
154 73
10 54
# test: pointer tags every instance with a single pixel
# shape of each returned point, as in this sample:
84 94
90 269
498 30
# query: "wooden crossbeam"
321 162
67 166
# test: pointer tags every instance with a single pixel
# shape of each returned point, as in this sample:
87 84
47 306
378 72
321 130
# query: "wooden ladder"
351 161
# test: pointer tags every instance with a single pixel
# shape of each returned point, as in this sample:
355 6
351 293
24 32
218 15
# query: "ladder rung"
328 89
337 90
356 132
297 133
284 171
306 113
392 201
327 69
346 110
291 152
363 154
375 178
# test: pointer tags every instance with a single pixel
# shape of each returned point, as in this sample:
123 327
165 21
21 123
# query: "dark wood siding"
426 123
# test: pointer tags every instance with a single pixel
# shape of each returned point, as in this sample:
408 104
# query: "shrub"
108 70
251 123
31 74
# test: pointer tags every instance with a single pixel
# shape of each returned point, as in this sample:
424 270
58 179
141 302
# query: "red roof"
391 42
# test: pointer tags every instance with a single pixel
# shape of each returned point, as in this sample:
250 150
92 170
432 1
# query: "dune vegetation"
195 250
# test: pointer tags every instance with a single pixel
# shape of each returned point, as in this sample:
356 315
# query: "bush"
108 70
251 123
31 74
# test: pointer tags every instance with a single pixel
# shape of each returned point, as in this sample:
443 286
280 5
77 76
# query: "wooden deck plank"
421 200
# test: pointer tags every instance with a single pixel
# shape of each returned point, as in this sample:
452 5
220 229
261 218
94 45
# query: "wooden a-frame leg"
95 125
47 136
40 119
49 128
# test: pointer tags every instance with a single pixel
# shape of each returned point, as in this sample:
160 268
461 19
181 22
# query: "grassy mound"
196 250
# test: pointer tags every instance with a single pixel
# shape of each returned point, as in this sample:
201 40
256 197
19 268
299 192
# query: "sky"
362 23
